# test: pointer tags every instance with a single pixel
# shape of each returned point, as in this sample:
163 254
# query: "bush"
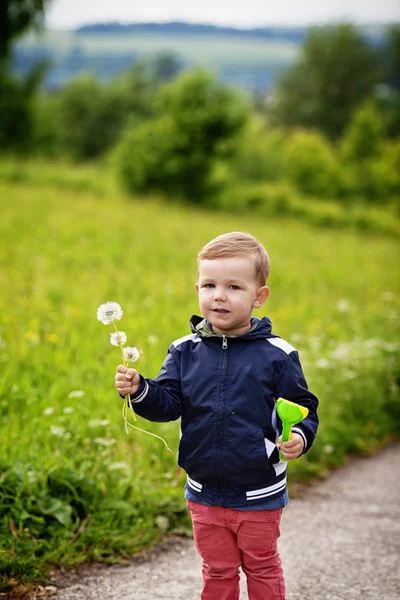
364 135
370 161
260 153
312 166
196 121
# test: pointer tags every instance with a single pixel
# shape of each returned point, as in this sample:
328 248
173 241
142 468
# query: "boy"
223 381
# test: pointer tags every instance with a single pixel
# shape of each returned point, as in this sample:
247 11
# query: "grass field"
247 62
210 47
73 484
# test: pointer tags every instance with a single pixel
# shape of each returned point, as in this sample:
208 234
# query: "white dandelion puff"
117 338
48 411
109 312
131 354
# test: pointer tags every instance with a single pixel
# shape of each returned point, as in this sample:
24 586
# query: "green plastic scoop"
290 414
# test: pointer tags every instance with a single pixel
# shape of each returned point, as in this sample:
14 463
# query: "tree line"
330 128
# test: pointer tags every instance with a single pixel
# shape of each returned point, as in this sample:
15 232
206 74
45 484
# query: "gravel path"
340 541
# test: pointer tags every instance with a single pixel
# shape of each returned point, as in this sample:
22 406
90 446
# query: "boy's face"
228 292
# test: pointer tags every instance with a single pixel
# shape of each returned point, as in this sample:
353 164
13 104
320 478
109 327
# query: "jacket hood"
259 328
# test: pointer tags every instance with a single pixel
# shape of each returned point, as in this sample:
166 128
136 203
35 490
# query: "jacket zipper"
220 423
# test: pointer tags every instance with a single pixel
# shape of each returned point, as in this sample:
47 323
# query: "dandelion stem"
127 396
149 433
127 400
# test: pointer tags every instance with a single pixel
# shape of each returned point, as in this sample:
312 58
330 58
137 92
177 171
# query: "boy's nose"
219 294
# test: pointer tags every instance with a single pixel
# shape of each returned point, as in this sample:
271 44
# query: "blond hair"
237 243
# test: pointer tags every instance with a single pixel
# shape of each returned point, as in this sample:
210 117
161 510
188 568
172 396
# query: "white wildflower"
109 312
76 394
131 354
162 522
343 305
68 410
322 363
117 338
349 374
118 466
60 431
105 441
328 448
48 411
98 423
388 296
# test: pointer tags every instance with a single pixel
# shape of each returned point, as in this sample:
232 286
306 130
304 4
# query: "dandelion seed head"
118 338
131 354
48 411
109 312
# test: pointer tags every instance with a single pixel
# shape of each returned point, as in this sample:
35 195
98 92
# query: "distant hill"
294 34
248 58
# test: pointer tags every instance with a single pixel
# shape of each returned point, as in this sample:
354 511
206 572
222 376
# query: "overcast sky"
64 14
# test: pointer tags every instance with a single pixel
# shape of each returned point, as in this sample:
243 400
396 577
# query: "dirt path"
340 541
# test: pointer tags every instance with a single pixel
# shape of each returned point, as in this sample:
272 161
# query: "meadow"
246 61
210 48
73 485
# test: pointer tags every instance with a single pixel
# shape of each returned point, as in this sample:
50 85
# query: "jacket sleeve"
291 385
160 399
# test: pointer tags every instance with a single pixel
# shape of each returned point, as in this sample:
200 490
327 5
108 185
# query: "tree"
336 71
16 16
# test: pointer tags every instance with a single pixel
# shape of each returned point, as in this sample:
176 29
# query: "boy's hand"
293 448
127 381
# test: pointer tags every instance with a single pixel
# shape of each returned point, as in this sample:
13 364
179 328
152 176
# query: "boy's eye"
209 285
235 287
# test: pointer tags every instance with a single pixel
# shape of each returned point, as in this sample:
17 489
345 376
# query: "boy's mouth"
221 311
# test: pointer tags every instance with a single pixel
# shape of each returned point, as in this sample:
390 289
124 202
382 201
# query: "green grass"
64 452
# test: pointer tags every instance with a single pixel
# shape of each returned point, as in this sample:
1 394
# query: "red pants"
227 539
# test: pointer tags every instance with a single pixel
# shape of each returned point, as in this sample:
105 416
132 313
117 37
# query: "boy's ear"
197 288
261 297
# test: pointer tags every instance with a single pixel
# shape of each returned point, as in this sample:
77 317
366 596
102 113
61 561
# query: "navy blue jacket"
224 388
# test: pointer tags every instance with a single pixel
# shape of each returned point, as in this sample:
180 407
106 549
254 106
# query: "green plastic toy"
290 414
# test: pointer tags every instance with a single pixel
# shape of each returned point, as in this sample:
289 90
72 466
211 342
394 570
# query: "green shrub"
363 137
197 119
311 165
259 154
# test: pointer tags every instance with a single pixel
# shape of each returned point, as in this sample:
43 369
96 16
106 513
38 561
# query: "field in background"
65 457
249 62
